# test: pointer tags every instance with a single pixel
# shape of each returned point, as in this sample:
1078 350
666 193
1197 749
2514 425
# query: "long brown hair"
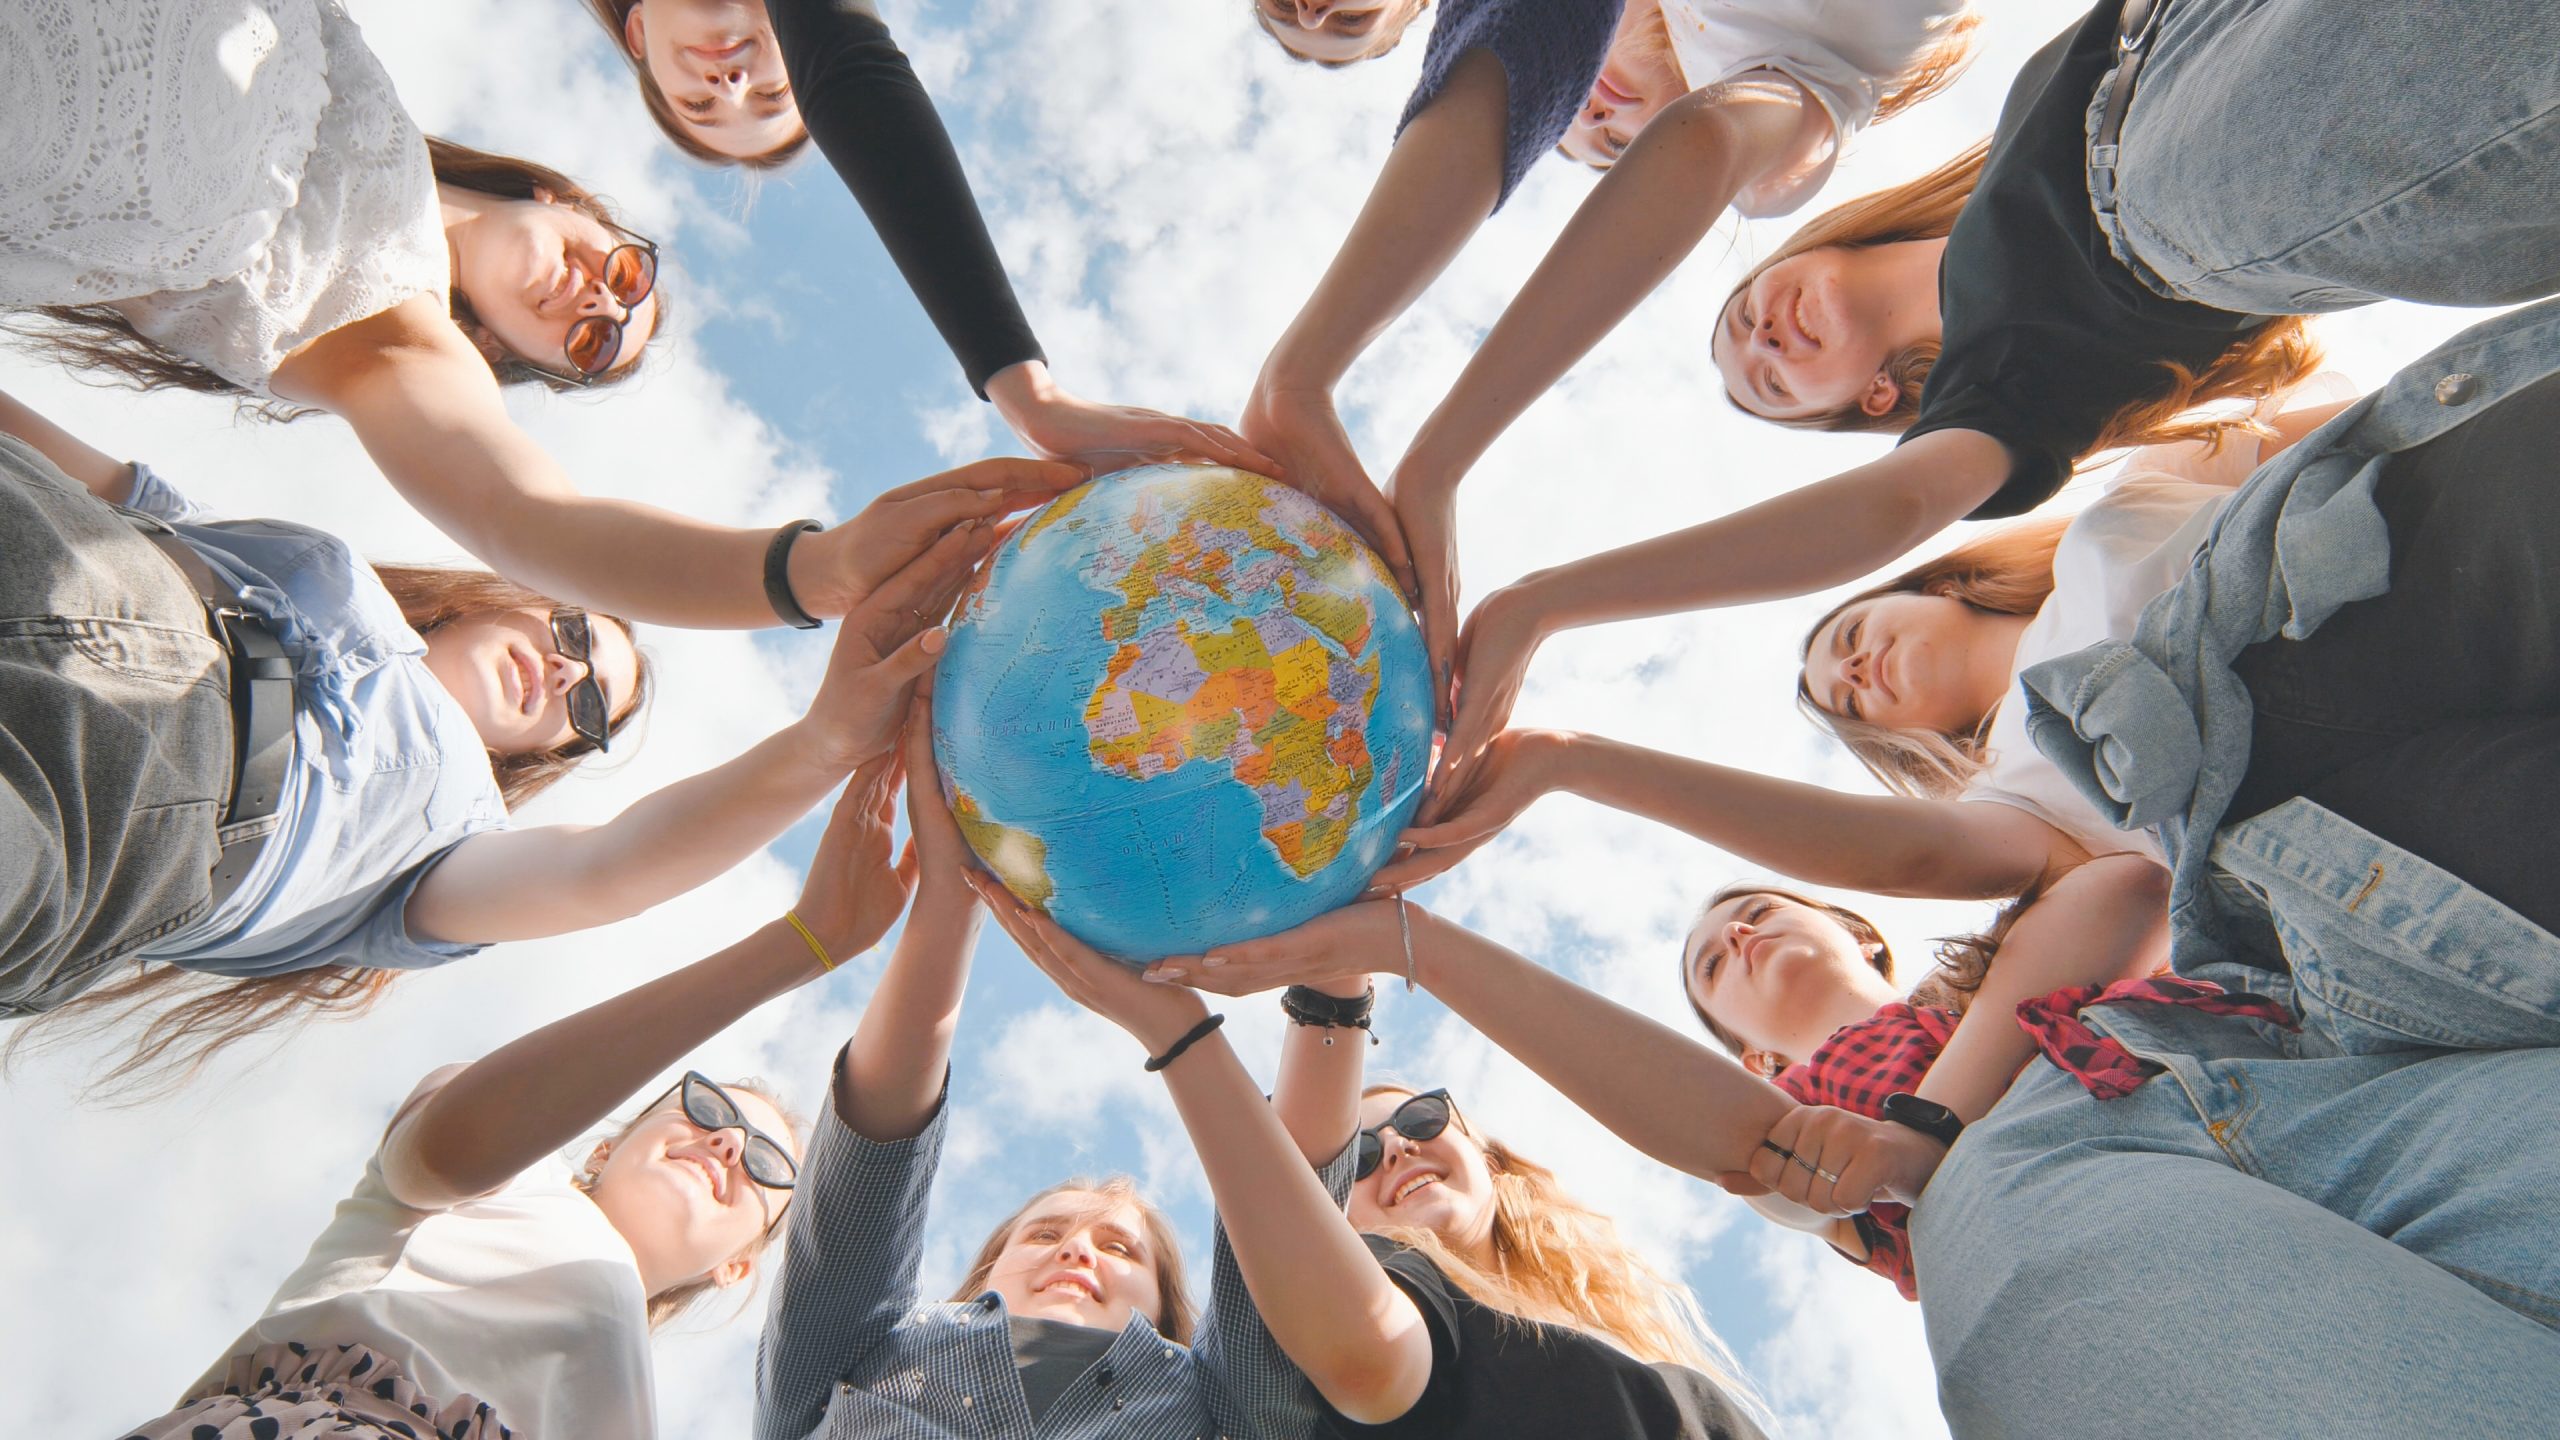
2008 571
99 341
1559 1261
193 1016
431 596
673 1301
1963 960
1175 1323
615 17
2269 358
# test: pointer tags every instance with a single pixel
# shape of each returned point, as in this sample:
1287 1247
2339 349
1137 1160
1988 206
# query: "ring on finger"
1816 1169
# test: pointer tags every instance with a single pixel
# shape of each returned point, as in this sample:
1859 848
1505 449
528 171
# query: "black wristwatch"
1926 1116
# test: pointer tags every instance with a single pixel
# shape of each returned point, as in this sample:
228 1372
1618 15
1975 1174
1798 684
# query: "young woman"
292 236
312 795
1468 1293
1692 108
1334 33
2055 308
734 79
1073 1320
478 1283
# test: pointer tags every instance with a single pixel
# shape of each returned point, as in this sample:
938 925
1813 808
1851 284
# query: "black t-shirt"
2046 335
872 119
1050 1354
1494 1376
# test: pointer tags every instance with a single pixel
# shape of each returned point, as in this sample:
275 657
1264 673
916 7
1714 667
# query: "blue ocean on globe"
1182 705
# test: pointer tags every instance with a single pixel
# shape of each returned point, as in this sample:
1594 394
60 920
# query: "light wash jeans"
115 738
2295 156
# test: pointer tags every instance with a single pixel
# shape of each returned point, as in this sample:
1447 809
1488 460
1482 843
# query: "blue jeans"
2293 156
115 738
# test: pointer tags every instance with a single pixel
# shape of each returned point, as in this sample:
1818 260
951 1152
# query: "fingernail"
1160 977
1212 962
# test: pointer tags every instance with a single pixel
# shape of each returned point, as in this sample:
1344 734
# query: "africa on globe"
1182 705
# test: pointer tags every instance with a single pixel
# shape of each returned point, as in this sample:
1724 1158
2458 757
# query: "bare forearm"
535 1095
101 474
1322 1295
2107 920
893 1066
1653 1087
1824 534
1438 185
1318 1094
1640 223
1881 844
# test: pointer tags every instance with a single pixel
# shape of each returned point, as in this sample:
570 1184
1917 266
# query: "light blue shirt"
388 774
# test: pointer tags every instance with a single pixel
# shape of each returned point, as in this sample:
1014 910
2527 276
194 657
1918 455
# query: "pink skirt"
279 1392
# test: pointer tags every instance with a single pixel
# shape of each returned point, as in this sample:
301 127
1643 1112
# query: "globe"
1182 705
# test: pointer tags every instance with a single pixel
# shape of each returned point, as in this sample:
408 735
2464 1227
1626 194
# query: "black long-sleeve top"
874 122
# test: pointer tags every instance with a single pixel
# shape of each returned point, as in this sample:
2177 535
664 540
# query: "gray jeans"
2287 157
115 738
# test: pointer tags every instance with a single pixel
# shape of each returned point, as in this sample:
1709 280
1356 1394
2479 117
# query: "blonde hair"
1963 960
673 1301
1559 1261
2263 360
1174 1323
2008 571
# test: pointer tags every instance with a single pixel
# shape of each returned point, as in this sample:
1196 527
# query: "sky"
1166 188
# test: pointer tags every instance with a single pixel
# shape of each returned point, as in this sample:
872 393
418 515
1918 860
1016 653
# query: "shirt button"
1168 1354
1120 1404
2455 388
1103 1376
846 1387
968 1400
988 1301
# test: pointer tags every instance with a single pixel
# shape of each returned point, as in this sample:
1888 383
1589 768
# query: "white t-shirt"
527 1298
1847 54
2132 543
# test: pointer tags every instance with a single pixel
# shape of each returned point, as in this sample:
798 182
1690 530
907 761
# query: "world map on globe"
1182 705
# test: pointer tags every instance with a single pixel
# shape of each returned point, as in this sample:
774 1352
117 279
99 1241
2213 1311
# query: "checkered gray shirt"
849 1353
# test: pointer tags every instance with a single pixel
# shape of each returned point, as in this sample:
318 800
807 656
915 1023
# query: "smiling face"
1756 960
1639 77
531 268
1083 1257
1906 662
1442 1184
680 1195
505 670
1336 32
1812 335
720 70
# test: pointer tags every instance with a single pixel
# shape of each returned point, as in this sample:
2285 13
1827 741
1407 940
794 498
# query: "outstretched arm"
520 884
1645 217
1438 185
1827 533
1881 844
1325 1300
535 1095
428 411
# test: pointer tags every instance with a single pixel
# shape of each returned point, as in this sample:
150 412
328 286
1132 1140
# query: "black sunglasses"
1421 1118
576 640
594 342
767 1161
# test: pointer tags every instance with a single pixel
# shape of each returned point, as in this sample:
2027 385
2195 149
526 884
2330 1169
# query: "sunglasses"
1421 1118
575 640
594 342
709 1107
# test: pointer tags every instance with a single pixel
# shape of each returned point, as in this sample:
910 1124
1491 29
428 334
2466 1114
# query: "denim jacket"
2383 950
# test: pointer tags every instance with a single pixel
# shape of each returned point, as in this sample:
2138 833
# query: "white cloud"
1167 187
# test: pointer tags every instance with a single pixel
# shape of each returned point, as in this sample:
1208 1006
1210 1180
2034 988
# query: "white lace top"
237 176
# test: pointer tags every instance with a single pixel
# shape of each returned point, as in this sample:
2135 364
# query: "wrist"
1021 389
1161 1032
816 578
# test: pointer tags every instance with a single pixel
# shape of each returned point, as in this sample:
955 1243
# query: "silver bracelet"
1404 922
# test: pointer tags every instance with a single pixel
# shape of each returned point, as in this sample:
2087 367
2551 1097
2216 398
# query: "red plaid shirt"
1891 1050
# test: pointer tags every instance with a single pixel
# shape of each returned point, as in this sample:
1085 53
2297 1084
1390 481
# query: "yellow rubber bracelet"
824 964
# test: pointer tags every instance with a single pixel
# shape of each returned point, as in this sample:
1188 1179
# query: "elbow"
1370 1383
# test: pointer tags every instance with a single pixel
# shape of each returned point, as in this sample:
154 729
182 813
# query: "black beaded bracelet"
1190 1038
777 576
1306 1005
